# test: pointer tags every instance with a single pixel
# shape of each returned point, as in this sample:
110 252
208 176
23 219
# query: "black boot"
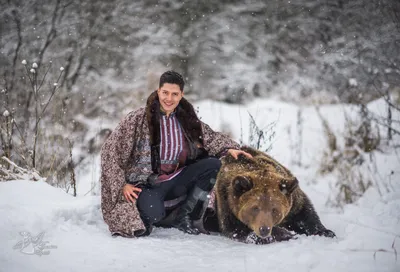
197 215
183 220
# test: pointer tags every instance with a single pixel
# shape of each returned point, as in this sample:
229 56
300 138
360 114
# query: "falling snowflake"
353 82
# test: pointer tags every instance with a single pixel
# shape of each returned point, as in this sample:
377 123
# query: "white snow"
353 82
368 231
24 62
6 113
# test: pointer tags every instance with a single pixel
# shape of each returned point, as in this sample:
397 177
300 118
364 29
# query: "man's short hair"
172 77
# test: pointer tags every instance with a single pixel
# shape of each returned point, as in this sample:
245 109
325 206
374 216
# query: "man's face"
169 96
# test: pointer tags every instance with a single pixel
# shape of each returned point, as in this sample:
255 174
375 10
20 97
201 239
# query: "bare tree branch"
45 74
51 35
39 118
19 43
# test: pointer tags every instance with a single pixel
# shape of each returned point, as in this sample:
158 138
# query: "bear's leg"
252 238
281 234
236 229
211 221
233 228
306 221
278 234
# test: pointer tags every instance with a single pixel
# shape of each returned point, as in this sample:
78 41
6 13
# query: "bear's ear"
241 185
288 186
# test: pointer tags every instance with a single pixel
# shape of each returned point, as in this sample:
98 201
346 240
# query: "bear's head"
259 191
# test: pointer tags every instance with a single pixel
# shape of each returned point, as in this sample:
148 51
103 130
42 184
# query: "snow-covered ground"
368 231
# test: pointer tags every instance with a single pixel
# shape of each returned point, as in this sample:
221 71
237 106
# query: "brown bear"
259 201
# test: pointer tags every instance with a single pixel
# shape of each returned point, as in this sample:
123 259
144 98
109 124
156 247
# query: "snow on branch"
17 172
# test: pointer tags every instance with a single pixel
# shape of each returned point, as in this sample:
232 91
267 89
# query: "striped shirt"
173 147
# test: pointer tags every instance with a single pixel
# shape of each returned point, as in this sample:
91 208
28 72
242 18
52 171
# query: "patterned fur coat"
131 154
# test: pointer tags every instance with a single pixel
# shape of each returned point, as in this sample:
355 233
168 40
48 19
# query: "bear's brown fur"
259 200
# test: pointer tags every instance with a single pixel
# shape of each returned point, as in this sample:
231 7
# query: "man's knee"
215 163
208 178
151 214
211 164
151 208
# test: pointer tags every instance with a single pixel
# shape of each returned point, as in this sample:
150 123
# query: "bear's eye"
255 209
275 212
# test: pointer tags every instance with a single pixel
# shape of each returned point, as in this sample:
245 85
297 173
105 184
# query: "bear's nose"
264 231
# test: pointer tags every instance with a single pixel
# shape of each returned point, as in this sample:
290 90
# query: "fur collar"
187 118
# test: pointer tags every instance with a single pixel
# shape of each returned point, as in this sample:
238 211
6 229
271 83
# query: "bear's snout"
264 231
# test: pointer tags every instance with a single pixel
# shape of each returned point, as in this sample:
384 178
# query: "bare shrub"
259 137
25 140
11 171
353 159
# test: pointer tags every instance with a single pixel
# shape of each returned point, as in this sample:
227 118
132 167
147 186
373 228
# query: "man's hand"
131 192
235 153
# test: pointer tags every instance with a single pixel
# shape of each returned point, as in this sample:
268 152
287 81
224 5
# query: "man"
160 154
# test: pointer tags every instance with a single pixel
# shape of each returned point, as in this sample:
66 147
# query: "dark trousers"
202 174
